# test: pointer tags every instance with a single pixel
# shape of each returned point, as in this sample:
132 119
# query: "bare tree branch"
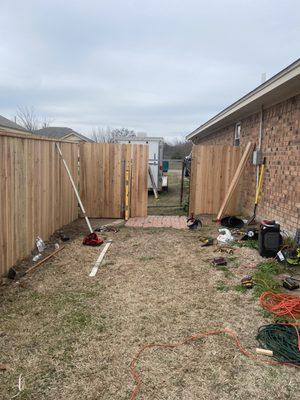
108 135
123 132
102 135
28 118
177 149
47 122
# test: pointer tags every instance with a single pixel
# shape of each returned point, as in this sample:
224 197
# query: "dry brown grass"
168 203
73 337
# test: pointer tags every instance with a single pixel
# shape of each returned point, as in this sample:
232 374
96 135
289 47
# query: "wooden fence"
212 170
36 197
102 179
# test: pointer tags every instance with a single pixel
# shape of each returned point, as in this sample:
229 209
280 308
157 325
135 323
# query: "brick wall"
281 147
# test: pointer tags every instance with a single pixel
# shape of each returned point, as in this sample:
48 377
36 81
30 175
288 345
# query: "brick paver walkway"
158 221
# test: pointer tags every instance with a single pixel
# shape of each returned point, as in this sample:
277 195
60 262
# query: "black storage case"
269 238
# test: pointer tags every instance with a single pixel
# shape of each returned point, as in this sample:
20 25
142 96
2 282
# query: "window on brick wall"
237 134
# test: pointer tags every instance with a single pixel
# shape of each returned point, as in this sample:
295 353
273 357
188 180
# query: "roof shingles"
7 123
60 132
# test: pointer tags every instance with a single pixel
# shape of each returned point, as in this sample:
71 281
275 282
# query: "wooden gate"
102 179
212 170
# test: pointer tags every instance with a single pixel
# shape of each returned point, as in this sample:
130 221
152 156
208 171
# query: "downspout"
260 138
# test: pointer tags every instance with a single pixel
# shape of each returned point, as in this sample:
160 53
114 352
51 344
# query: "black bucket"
232 222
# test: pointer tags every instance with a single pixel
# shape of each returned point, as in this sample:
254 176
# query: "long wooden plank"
235 179
100 259
4 133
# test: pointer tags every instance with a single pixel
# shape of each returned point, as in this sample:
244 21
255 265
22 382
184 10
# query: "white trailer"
156 145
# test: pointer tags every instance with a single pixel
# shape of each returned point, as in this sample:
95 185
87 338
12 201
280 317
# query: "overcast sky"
157 66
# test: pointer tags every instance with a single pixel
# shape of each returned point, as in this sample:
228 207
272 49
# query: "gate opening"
173 197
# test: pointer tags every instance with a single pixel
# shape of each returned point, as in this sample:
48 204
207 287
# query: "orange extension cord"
137 377
282 305
279 304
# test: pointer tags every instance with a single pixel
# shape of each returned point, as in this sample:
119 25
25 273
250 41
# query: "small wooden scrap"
264 352
3 367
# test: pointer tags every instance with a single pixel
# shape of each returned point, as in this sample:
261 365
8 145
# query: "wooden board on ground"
102 179
212 170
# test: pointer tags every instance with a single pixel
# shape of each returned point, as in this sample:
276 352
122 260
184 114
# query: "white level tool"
75 189
100 259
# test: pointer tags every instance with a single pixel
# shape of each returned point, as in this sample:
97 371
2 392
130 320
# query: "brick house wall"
281 147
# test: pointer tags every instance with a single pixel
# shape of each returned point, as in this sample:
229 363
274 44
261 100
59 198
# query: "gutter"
277 80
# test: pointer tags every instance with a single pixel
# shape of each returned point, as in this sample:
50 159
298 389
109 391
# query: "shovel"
258 192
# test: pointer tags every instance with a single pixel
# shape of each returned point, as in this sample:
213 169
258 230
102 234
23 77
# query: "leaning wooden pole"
181 183
75 189
235 180
154 187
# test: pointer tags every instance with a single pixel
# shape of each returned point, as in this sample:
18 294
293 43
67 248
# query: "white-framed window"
237 134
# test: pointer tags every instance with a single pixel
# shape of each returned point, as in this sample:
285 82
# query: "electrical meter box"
257 157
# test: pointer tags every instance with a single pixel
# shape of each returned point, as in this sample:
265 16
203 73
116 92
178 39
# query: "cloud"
158 66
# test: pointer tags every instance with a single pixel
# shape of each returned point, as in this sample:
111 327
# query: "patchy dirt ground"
73 337
168 203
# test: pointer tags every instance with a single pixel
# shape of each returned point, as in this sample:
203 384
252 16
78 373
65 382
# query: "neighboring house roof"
280 87
139 139
7 123
61 132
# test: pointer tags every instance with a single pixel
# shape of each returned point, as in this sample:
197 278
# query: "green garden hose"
282 340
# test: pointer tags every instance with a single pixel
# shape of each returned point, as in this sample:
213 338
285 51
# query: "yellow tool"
126 195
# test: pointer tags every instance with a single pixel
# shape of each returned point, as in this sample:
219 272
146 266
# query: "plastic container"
37 257
40 244
225 236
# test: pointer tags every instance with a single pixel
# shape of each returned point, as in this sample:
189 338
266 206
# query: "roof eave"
277 81
79 135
